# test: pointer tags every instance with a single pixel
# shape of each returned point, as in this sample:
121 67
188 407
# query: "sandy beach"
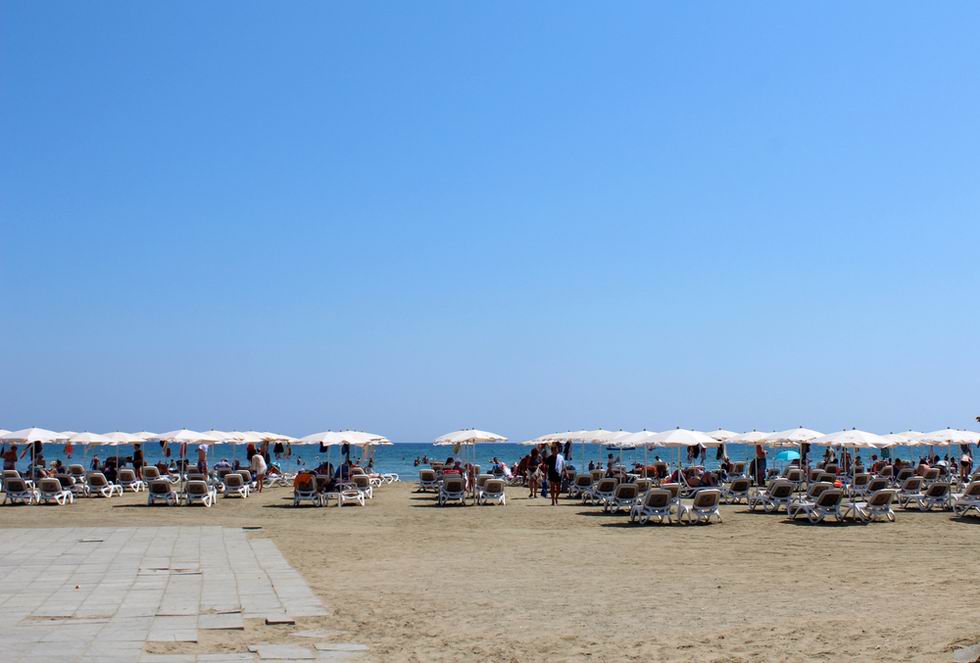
529 581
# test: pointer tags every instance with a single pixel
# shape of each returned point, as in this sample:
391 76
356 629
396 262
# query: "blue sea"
400 457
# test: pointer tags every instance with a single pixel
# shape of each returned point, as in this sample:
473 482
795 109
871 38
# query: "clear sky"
524 217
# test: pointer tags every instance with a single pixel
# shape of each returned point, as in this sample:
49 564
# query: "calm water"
400 458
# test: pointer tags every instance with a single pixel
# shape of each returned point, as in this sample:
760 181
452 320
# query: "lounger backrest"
606 485
887 471
76 470
65 480
50 485
127 475
739 468
246 475
830 497
781 488
481 480
583 481
814 474
643 485
14 485
453 484
626 491
795 475
355 471
476 470
494 487
427 475
861 479
362 481
705 499
234 480
827 476
830 467
151 472
932 474
817 488
740 485
973 489
877 484
904 474
912 485
195 476
882 497
161 487
196 487
938 490
673 488
11 474
97 479
597 475
657 498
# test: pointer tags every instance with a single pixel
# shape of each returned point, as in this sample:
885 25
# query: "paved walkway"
99 594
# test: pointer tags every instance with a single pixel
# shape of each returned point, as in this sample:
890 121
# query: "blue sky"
525 217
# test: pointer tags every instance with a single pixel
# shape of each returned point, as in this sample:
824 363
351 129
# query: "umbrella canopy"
751 437
146 435
224 436
949 436
276 437
119 437
469 436
184 435
249 436
27 435
909 438
788 454
721 434
336 438
793 436
65 434
90 438
681 437
636 439
857 439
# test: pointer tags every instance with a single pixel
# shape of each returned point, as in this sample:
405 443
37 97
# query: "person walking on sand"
555 463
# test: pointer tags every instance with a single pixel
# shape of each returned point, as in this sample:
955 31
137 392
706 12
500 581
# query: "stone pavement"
99 594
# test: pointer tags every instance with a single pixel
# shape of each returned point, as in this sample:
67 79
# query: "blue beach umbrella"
788 455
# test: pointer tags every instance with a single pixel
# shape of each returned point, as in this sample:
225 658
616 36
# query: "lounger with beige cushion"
492 491
50 490
453 489
348 495
601 491
428 481
827 504
968 500
737 490
779 493
702 509
859 485
936 495
657 503
931 476
582 483
623 497
18 491
161 490
910 489
813 491
903 474
197 491
128 481
77 472
97 485
234 485
878 483
878 506
363 483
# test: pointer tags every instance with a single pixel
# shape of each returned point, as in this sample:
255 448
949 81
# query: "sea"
400 458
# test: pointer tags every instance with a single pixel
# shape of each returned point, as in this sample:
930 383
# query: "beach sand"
532 582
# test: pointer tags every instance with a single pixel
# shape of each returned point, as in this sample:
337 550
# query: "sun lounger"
427 482
830 468
50 490
601 491
453 489
77 472
931 476
911 489
737 490
161 490
656 503
904 474
308 491
492 491
827 504
197 491
779 493
234 485
701 510
876 484
738 470
879 505
126 478
96 484
18 491
363 483
887 472
859 485
936 495
583 482
813 491
642 486
348 495
623 497
968 500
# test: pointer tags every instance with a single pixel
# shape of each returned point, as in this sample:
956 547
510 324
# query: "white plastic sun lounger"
453 490
363 483
50 490
600 492
968 500
623 497
199 492
17 491
97 484
126 479
737 490
936 495
704 507
234 485
656 504
428 482
492 492
161 490
827 504
779 493
878 506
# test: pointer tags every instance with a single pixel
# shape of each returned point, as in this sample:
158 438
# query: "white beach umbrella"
28 435
721 434
749 437
119 437
906 439
681 437
65 434
855 439
277 437
189 436
636 439
146 435
792 437
225 437
468 436
246 437
949 436
337 438
90 438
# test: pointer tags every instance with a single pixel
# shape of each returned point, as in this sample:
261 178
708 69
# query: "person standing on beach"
760 465
533 472
138 460
259 468
555 463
